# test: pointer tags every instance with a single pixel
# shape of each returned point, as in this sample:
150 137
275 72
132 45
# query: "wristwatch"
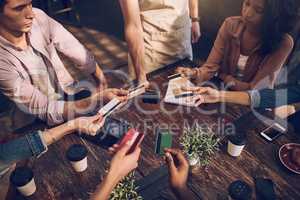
195 19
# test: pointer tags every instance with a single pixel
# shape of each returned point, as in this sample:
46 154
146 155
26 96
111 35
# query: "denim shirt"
21 148
272 98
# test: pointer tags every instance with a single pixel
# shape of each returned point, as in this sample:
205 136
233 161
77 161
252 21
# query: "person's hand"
113 149
122 164
88 125
208 94
178 169
142 80
102 84
186 72
196 34
111 93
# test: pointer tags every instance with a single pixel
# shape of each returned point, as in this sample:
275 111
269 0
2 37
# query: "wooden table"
56 179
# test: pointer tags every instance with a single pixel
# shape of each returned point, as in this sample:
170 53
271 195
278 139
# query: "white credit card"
136 91
110 107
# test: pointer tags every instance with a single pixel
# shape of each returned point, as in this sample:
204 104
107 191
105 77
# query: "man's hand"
178 168
100 78
178 171
196 34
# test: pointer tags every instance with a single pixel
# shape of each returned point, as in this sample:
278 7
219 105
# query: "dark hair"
278 18
2 3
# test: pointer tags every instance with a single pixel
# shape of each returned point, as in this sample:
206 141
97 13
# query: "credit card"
136 91
174 76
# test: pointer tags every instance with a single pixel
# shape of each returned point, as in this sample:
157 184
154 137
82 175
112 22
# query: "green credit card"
163 140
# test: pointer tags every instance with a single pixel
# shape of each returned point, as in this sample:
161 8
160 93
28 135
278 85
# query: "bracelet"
195 19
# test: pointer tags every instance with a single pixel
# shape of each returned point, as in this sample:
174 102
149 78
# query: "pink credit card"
134 137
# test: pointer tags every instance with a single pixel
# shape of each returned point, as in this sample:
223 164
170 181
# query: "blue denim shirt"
21 148
268 98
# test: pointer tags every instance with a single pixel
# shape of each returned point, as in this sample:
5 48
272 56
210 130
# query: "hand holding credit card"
136 91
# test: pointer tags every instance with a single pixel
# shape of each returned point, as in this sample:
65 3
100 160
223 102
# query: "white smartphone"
110 107
272 132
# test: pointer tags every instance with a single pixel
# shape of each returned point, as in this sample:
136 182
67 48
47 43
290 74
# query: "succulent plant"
199 142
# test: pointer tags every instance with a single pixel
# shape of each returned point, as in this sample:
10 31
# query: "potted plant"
199 144
126 189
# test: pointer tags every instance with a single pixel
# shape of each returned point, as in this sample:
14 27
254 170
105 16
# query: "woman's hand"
186 72
209 95
123 163
196 34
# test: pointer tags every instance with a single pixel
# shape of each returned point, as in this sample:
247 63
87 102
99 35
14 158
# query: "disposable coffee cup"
240 190
77 155
22 178
236 144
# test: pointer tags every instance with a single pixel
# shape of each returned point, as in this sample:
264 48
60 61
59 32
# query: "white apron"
166 31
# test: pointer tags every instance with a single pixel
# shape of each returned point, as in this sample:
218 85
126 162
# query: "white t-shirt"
241 65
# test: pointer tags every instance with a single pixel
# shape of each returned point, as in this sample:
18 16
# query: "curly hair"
278 18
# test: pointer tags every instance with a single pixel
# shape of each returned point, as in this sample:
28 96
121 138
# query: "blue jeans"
21 148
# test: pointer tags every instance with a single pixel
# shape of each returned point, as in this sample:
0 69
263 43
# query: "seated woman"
36 143
250 49
264 98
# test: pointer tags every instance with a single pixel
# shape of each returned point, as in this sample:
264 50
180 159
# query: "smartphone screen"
273 132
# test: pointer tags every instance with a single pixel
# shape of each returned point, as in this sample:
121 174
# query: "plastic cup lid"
76 152
21 176
240 190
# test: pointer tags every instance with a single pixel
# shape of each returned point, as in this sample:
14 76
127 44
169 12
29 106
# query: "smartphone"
110 107
273 132
134 137
112 131
163 140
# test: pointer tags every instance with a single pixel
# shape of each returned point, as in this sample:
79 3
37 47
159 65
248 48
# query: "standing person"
250 49
158 33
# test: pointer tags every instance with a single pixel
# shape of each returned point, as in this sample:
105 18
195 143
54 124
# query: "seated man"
31 73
